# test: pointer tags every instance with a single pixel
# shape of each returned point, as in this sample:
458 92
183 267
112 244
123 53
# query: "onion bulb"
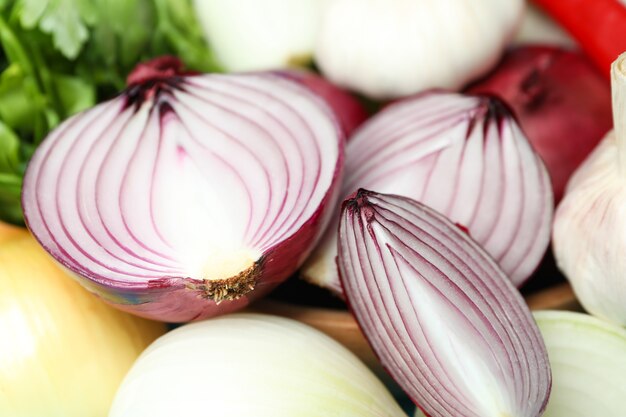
8 231
252 35
561 101
394 48
438 311
588 359
188 195
63 352
464 156
244 365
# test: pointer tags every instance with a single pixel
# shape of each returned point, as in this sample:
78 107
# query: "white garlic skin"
251 35
393 48
589 233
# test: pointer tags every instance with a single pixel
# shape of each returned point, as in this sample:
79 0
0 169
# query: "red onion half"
561 101
187 196
465 157
439 312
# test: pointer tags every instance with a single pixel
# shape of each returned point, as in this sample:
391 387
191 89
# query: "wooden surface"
341 326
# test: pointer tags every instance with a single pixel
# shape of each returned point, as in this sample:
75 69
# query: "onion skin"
64 351
157 268
561 101
245 365
438 311
349 111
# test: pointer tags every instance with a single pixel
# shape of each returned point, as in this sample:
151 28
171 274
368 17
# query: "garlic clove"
589 231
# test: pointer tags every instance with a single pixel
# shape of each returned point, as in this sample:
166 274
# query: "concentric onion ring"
183 195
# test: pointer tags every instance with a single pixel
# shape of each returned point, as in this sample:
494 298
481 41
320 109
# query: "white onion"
252 35
250 365
393 48
439 313
187 196
588 359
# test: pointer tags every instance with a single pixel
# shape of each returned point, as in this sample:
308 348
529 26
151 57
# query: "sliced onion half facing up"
187 195
438 311
464 156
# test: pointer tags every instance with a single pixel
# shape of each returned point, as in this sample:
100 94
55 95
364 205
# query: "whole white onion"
245 365
392 48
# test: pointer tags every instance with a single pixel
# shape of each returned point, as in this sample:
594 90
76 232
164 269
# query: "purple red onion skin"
561 101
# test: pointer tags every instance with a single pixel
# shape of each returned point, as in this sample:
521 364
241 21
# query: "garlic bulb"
245 365
63 352
589 232
393 48
249 35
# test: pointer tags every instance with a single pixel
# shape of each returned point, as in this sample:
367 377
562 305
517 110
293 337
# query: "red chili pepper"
599 26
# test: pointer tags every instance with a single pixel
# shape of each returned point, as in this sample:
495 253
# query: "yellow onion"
63 352
8 231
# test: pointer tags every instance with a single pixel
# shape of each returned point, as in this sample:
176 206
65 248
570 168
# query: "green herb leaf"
61 19
75 93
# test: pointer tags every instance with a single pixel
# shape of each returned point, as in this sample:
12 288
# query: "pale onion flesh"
187 196
394 48
438 311
245 365
467 158
63 352
589 232
588 359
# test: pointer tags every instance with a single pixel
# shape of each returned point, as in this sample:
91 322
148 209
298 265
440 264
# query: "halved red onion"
349 111
561 100
439 312
187 196
467 158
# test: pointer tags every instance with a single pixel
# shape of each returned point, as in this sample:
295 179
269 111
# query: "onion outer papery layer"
467 158
442 317
588 359
187 196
